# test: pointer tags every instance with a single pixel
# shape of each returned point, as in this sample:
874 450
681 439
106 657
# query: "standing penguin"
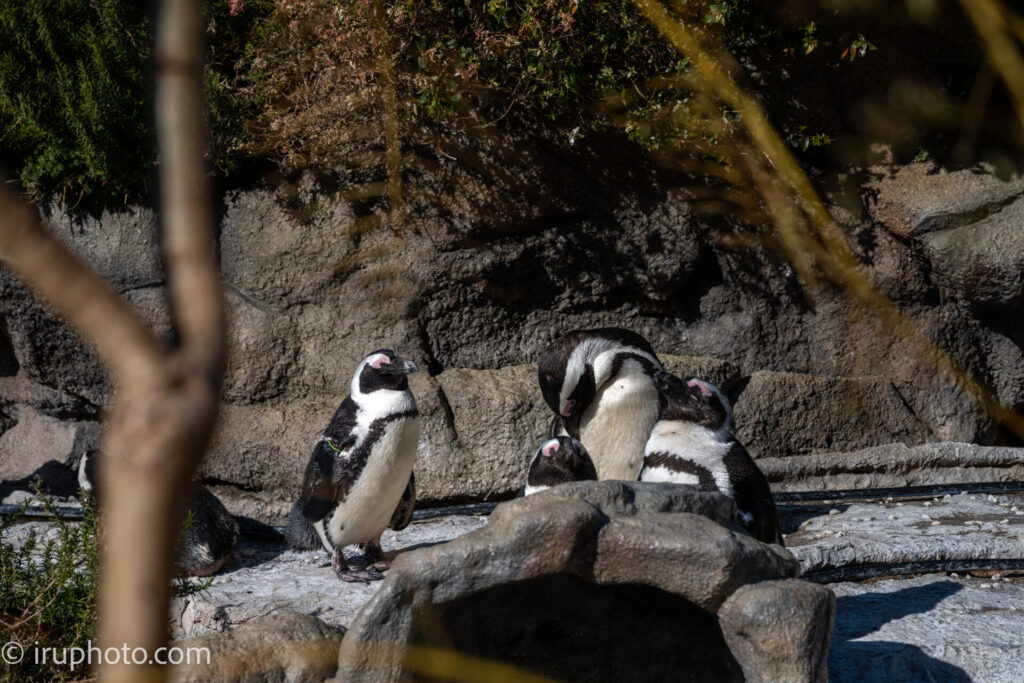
693 443
599 383
359 477
557 461
211 532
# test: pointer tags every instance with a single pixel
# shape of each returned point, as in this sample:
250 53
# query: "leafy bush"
48 588
74 93
314 75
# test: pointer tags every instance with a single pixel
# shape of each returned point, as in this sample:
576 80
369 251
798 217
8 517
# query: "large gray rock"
921 198
509 243
37 439
779 630
563 581
782 413
122 244
983 260
46 350
285 646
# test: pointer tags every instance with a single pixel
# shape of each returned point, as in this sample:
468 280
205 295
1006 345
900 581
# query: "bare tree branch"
186 204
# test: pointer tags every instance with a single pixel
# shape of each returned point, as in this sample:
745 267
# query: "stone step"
894 465
961 527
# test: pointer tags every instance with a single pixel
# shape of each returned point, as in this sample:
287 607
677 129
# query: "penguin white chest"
615 426
365 511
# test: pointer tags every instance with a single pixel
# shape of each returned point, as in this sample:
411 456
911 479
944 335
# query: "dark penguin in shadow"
693 443
211 532
557 461
359 478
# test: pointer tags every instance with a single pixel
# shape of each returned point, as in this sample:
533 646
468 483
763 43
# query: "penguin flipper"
403 513
320 488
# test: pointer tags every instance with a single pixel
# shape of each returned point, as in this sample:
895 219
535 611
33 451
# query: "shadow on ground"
858 616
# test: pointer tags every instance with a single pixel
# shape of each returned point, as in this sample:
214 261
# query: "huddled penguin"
557 461
359 478
693 443
599 382
211 532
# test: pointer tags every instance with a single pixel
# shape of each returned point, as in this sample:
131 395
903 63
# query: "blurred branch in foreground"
807 233
996 24
164 400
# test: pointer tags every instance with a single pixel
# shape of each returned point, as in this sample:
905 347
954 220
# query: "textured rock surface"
37 438
983 261
960 527
928 628
781 628
264 577
635 553
496 263
780 413
895 465
285 646
920 198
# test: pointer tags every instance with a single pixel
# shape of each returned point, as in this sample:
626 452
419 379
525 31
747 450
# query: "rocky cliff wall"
502 250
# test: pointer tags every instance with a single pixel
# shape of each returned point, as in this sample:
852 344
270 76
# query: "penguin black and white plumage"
599 382
693 443
558 461
211 532
359 478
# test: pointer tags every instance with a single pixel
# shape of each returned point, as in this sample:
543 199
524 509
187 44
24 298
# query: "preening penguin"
599 383
557 461
211 532
693 443
359 478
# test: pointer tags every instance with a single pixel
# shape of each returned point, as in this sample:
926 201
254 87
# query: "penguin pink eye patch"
549 448
379 361
705 390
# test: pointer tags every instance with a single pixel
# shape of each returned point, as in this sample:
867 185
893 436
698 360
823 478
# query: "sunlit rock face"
508 245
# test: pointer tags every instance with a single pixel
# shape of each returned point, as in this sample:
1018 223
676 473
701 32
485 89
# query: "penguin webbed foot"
375 558
349 575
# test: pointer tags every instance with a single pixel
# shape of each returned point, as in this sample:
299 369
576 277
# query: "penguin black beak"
402 366
572 424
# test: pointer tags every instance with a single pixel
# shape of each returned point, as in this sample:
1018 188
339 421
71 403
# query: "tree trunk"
164 401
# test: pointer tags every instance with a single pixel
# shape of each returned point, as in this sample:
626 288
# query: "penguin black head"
557 461
382 369
694 401
566 369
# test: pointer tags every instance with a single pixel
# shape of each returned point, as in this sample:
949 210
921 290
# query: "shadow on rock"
55 479
861 615
792 516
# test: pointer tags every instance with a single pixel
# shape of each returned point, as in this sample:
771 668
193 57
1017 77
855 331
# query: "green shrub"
74 94
48 589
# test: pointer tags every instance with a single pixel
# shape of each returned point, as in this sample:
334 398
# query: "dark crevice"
434 366
449 414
